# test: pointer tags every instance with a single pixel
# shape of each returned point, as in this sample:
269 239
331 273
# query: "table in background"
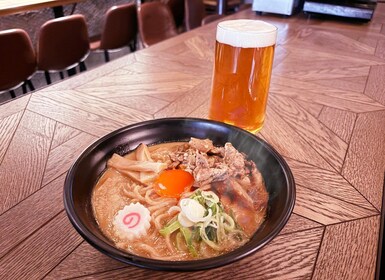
326 115
8 7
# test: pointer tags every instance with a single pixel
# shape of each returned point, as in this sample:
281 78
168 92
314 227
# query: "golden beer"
244 53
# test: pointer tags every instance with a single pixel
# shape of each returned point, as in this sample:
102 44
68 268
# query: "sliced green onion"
170 228
228 222
210 196
188 238
207 240
207 222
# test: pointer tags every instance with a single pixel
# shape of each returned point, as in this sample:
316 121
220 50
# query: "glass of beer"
244 53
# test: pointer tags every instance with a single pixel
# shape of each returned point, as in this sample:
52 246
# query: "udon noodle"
180 201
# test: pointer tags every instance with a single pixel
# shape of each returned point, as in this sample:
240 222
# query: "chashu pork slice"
239 204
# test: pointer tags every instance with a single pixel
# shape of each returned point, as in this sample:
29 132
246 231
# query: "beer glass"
244 53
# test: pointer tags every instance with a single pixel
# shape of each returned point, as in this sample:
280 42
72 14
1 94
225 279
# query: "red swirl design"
131 220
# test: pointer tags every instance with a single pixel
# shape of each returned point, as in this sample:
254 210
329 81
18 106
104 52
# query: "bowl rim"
189 265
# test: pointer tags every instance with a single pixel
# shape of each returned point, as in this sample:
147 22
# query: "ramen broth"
199 203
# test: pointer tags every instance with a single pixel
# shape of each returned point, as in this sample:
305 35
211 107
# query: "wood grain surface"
369 131
302 247
376 84
16 106
23 165
46 204
340 257
327 182
62 134
8 126
339 121
57 164
325 116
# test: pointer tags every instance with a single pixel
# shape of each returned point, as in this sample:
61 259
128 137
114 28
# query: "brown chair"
63 44
17 61
231 5
177 10
119 30
155 23
196 14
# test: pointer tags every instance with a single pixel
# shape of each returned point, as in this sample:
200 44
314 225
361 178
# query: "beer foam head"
246 33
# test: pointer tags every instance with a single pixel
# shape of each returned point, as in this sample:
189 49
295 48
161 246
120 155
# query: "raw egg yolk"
174 182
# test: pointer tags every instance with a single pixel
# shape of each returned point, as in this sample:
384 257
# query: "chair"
177 10
62 45
196 14
231 5
17 60
119 30
155 23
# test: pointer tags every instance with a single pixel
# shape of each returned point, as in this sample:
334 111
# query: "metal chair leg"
82 66
47 77
133 45
73 8
30 85
71 72
12 92
106 56
24 88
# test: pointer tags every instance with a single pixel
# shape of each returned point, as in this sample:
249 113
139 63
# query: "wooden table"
326 116
8 7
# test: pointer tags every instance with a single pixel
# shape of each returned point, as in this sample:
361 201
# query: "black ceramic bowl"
84 173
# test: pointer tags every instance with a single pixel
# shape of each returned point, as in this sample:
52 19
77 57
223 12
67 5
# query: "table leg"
221 7
58 11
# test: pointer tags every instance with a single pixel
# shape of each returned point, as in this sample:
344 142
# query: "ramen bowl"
86 170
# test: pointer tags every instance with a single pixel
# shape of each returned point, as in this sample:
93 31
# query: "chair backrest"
63 43
17 58
120 27
177 10
195 12
155 23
